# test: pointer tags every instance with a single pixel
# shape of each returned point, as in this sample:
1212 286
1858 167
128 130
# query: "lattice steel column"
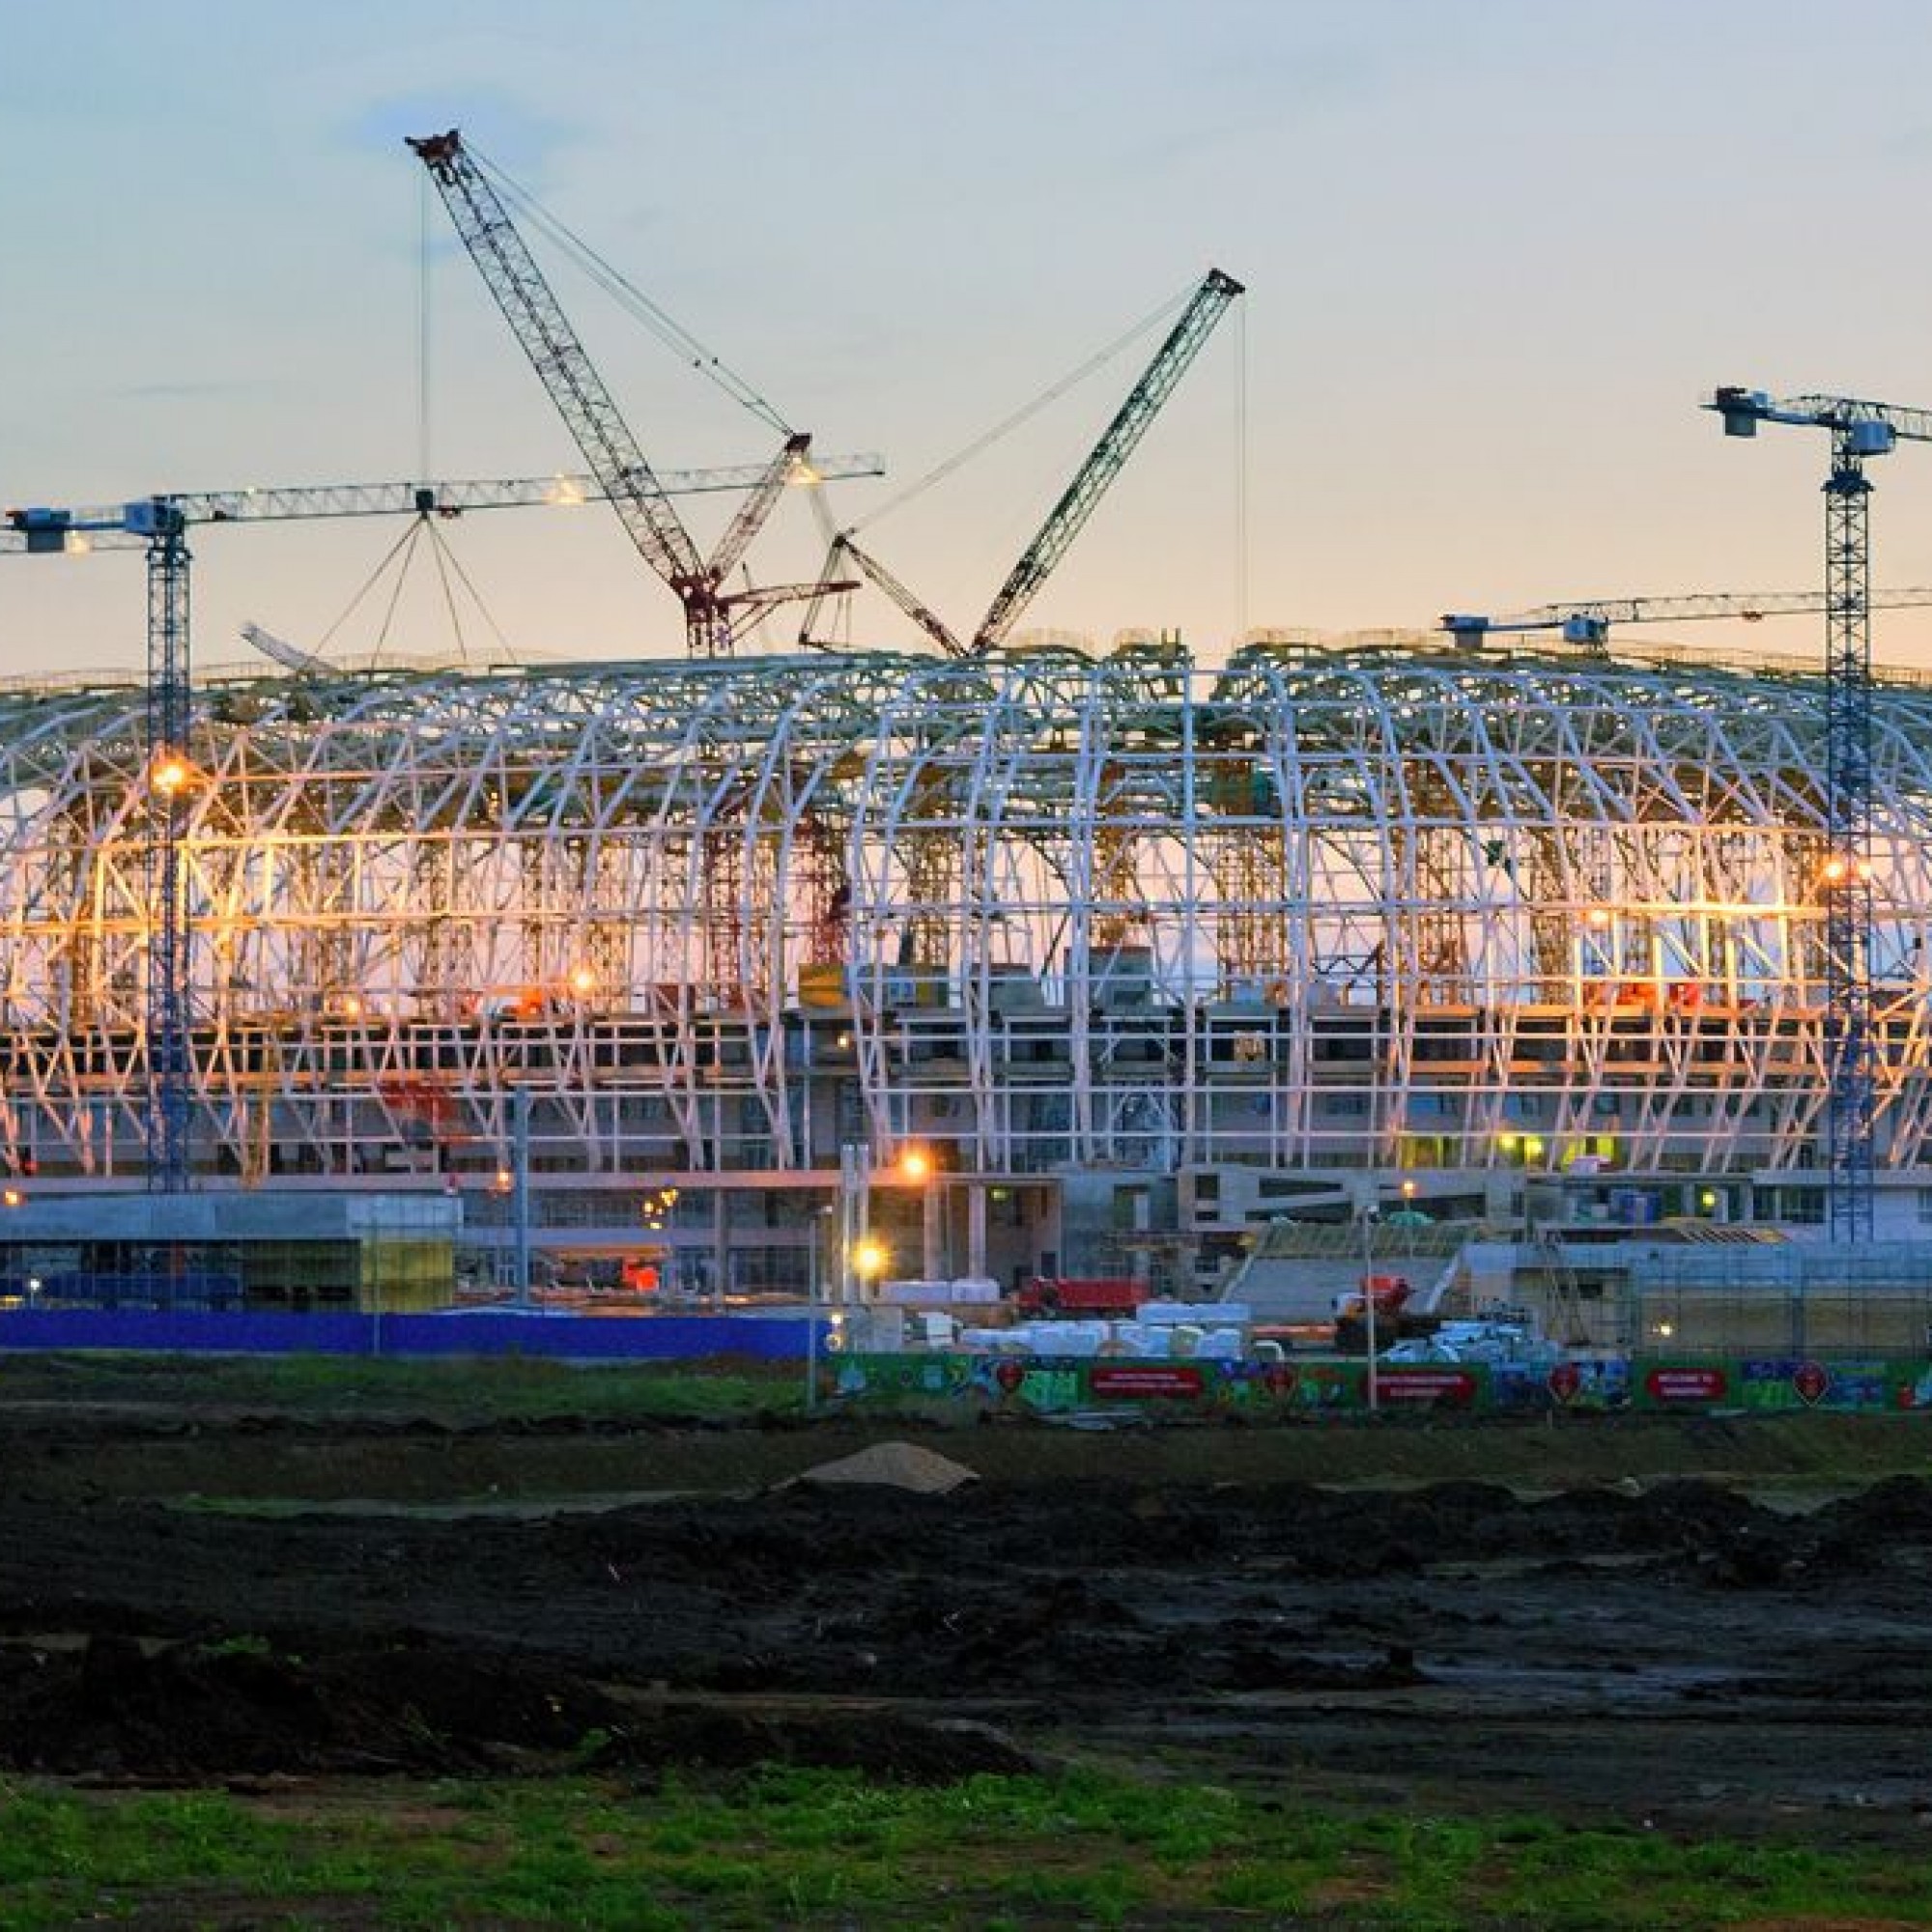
1850 1049
167 777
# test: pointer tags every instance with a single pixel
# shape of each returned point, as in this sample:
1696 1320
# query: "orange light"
1598 917
11 1197
582 982
170 776
915 1165
870 1258
1408 1190
1835 870
504 1180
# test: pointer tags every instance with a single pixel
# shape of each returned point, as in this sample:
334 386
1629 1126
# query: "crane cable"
400 553
447 563
424 196
665 326
1146 326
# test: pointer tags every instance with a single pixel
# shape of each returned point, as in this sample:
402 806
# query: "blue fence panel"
493 1332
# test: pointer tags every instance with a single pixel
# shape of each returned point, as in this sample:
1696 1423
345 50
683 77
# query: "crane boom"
1588 620
1064 522
592 417
566 371
757 507
1866 424
925 619
104 526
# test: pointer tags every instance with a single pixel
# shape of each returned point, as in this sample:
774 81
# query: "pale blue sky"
1496 250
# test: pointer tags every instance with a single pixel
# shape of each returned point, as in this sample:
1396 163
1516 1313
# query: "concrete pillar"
933 1230
519 1200
976 1228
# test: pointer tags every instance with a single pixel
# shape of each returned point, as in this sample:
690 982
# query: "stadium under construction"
661 972
1146 952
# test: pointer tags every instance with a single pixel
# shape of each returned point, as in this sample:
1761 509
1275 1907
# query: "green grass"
790 1847
467 1390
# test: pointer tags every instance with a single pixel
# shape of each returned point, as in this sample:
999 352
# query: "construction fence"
1796 1301
1312 1389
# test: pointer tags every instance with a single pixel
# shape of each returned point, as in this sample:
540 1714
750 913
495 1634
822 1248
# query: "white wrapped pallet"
908 1293
1168 1312
1237 1314
993 1341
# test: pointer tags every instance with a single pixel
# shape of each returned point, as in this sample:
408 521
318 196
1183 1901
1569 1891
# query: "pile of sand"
895 1465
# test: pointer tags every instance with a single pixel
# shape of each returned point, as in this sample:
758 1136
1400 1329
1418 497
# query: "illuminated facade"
1313 915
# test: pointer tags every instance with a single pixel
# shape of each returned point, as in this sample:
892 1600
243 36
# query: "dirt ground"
1725 1636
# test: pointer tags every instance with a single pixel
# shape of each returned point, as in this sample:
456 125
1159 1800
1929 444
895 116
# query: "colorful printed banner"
1061 1384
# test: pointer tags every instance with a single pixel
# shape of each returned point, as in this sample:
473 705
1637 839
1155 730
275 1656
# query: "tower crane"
1859 431
160 525
1588 622
1209 301
713 616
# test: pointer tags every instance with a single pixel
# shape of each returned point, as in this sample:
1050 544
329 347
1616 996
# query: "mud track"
232 1596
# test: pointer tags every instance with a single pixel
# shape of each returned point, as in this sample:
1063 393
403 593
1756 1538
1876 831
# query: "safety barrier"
563 1337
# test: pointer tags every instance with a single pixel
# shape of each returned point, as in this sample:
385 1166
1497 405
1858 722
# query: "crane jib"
543 331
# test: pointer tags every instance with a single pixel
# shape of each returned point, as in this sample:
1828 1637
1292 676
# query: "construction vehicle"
1395 1319
1097 1297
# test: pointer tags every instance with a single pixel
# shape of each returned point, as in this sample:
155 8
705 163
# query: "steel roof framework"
1307 910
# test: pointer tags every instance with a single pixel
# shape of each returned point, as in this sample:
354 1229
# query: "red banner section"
1145 1379
1452 1386
1686 1384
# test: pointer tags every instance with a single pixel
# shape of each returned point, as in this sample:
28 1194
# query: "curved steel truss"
1308 909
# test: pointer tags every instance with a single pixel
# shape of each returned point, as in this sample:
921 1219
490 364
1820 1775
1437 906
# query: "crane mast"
542 330
1859 431
167 771
1067 517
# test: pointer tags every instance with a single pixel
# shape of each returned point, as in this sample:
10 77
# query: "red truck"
1098 1296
